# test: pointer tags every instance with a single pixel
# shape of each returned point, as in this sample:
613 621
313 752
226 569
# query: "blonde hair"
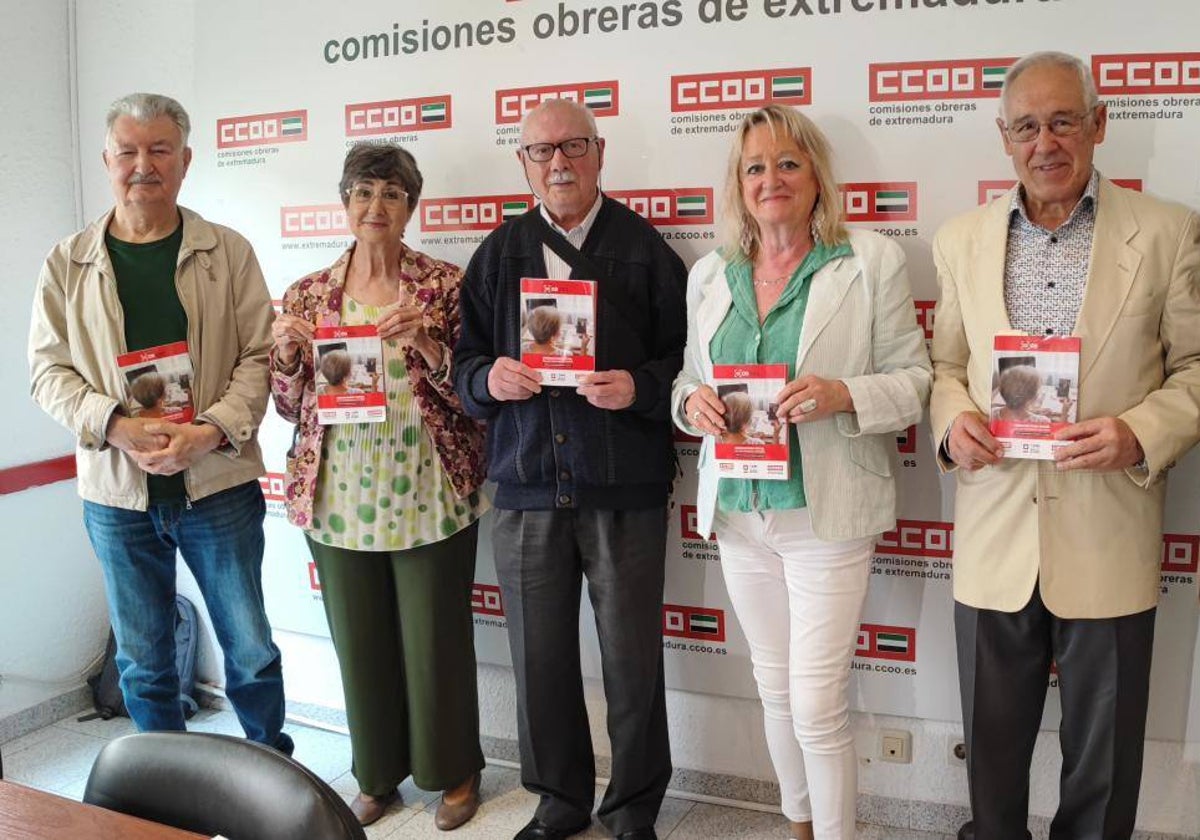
741 234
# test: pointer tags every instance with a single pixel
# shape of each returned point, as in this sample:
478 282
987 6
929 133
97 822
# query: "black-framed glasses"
389 194
575 147
1028 129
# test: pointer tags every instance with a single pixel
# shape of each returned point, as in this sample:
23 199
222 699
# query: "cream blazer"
860 326
1091 540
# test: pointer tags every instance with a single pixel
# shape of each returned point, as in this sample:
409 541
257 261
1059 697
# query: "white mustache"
560 177
136 178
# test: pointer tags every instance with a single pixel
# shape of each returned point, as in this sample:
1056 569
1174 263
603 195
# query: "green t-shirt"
145 273
741 339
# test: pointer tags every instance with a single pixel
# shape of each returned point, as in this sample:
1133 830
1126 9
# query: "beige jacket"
77 332
860 326
1091 540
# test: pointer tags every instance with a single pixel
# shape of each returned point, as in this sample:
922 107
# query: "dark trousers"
541 559
405 640
1104 683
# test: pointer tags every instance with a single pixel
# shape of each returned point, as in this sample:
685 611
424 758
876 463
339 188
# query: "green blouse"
741 339
381 486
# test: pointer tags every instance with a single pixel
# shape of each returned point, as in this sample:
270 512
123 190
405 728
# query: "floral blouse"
457 439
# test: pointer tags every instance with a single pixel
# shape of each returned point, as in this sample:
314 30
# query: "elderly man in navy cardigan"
582 476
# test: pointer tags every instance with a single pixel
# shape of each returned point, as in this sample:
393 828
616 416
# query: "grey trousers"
1104 683
541 559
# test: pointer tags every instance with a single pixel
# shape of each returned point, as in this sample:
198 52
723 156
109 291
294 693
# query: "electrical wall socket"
895 745
956 751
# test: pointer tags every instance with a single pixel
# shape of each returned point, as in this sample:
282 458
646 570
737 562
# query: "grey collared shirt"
1046 271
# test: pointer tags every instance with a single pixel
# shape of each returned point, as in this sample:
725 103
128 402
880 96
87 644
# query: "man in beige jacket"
1059 560
152 290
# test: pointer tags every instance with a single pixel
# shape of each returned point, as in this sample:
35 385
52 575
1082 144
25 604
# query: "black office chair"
217 784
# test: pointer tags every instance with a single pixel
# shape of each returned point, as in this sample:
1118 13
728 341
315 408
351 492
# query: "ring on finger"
808 406
696 416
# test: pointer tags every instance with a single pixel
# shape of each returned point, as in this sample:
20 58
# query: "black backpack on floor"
105 685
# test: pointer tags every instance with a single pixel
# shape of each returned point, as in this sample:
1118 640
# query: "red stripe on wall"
16 479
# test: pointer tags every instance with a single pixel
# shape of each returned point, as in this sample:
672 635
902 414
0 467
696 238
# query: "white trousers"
799 600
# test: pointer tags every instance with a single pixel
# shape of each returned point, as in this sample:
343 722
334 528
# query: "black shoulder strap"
584 268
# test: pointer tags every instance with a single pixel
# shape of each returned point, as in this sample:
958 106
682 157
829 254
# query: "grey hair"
1052 58
368 161
569 104
145 107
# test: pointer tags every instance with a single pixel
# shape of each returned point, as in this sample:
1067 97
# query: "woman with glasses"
390 509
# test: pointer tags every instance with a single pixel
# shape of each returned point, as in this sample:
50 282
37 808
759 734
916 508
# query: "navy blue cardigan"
555 450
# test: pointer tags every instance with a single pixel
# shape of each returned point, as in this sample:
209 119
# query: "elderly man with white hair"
582 476
1058 560
152 280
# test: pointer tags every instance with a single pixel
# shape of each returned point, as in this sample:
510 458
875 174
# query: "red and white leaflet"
755 443
158 382
558 329
1035 392
349 375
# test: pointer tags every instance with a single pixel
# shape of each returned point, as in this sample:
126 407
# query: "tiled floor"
57 758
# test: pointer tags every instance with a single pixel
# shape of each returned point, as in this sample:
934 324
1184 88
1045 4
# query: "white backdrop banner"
907 92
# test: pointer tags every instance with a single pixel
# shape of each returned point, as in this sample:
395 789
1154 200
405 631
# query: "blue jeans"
221 540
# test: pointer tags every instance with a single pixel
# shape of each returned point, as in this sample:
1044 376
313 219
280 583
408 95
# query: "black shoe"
538 830
646 833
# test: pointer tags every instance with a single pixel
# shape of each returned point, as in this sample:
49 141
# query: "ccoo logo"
1147 73
477 212
486 599
688 526
971 78
882 641
313 220
314 582
1181 553
262 129
741 89
880 201
925 310
604 98
669 207
685 622
272 487
396 115
918 538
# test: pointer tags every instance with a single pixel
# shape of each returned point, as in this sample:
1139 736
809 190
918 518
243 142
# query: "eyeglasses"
1061 125
391 196
576 147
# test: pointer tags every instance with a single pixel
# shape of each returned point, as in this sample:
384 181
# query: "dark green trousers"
402 628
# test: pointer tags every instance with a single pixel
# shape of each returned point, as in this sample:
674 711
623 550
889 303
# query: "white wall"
52 618
141 44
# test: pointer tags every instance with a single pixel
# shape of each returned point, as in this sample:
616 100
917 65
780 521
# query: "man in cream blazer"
1059 560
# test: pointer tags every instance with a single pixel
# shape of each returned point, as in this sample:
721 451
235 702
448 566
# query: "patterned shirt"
1045 271
381 486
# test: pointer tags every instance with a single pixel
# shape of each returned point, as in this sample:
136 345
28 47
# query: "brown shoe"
451 816
368 809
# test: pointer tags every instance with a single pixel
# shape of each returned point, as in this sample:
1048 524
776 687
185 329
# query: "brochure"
1035 392
158 382
558 329
755 443
349 375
